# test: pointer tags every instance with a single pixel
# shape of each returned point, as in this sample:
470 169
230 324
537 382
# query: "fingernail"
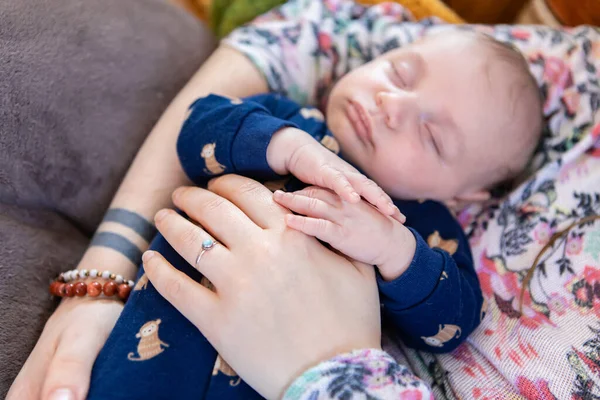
277 193
62 394
147 255
161 214
356 196
178 192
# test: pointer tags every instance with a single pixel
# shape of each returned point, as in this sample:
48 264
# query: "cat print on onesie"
150 344
445 333
212 165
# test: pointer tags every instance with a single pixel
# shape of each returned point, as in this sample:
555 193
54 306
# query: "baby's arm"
227 135
431 296
437 302
261 137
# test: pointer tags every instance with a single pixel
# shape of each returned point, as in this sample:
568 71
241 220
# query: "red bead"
94 289
124 290
53 288
70 290
80 289
60 290
110 288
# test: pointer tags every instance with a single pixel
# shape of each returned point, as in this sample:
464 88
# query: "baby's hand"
309 161
356 229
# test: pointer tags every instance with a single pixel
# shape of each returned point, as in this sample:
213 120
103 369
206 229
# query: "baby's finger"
337 181
322 229
309 206
322 194
398 216
372 193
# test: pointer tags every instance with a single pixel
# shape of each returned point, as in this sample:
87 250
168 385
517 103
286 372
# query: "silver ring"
207 245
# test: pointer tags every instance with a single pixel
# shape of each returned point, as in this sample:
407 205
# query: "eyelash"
431 139
398 76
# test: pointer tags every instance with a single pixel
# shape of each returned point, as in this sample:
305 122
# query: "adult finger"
218 216
29 381
253 198
309 206
197 303
187 239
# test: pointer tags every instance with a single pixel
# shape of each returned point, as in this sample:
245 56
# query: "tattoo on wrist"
118 243
132 220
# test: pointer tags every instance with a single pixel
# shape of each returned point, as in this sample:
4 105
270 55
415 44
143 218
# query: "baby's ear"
474 197
460 201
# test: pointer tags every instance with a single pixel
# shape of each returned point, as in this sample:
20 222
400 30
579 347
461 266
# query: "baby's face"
424 121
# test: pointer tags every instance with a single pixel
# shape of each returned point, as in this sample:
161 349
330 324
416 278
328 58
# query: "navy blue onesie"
154 352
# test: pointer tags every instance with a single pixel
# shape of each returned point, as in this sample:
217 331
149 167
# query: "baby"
444 119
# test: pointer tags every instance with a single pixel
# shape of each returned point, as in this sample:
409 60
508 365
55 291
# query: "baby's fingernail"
62 394
355 195
277 193
147 256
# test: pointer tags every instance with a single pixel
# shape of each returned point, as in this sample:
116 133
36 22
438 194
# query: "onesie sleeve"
437 302
224 135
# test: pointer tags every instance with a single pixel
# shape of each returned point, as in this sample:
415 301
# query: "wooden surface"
576 12
488 11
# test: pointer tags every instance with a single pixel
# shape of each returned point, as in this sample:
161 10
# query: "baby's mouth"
360 122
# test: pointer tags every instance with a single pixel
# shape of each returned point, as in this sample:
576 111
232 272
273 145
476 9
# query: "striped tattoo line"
118 243
132 220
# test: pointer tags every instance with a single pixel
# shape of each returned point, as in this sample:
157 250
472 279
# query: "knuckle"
249 187
369 183
311 191
322 225
312 203
214 203
172 287
190 237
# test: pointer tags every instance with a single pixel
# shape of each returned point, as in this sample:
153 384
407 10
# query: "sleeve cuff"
249 149
417 282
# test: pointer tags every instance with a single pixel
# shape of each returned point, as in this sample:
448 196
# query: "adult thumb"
69 372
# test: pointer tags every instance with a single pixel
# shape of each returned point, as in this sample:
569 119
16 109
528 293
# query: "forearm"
156 171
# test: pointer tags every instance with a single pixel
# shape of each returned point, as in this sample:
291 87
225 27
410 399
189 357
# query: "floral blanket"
546 343
549 349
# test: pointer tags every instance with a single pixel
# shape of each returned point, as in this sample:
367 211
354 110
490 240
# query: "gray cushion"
81 85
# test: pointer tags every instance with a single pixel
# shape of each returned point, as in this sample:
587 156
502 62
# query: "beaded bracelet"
68 285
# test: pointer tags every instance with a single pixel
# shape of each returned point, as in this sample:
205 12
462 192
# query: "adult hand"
282 301
60 365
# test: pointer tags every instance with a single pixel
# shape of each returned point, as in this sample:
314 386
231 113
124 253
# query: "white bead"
82 273
130 283
67 276
106 274
94 273
119 279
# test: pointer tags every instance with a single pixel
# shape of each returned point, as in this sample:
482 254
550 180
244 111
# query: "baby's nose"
397 107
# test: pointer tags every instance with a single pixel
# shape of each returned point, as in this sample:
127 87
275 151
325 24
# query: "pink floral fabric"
549 349
367 373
